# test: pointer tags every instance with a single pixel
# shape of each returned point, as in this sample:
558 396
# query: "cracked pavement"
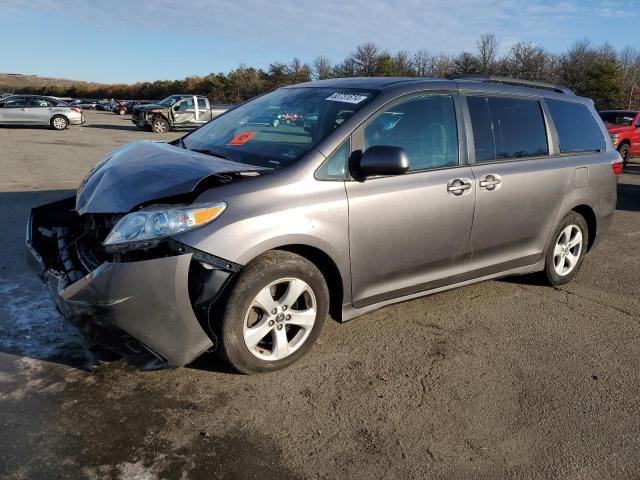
502 379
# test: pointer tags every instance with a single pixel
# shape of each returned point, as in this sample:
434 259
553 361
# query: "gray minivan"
242 237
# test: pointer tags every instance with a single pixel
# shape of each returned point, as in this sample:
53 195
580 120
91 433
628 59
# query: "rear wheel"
275 122
59 122
625 153
159 125
122 111
274 313
567 250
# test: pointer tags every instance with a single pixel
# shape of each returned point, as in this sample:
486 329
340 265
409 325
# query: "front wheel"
274 313
567 250
159 125
59 122
625 153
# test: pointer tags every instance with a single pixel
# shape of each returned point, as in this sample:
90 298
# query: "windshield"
276 129
618 118
169 100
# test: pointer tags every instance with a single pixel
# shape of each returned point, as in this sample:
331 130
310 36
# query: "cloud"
334 27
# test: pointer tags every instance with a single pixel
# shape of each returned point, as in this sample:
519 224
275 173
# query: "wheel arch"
592 223
329 270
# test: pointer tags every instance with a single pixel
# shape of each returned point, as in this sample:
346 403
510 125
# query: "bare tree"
422 63
322 68
366 59
403 64
466 64
298 72
487 53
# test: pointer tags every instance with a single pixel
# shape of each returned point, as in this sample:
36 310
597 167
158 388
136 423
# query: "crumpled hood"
144 171
150 106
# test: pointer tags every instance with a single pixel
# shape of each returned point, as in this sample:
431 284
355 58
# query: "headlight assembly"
156 223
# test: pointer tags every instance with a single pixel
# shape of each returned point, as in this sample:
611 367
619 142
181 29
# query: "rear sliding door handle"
490 182
458 186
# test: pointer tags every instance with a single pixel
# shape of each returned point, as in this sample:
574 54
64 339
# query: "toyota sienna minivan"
241 237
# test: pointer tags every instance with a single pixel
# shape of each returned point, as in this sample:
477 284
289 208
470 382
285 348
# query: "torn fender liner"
144 171
149 300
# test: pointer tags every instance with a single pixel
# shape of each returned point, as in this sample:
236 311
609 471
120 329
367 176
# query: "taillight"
617 167
76 109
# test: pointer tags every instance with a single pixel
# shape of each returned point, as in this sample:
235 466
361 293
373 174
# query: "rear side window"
202 104
506 128
425 127
577 129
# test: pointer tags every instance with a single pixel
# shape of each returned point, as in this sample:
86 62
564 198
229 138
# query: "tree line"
607 75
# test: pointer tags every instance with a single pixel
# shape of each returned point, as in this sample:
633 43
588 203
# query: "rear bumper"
140 309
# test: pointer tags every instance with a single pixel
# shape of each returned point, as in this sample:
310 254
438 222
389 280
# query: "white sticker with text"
346 98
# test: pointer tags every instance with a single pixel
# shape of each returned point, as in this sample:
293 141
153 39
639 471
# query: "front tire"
625 153
273 314
159 125
566 252
58 122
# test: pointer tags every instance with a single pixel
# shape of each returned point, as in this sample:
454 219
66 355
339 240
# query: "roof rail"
517 81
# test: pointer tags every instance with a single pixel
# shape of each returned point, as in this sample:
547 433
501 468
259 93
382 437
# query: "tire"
159 125
625 153
275 122
58 122
122 111
562 260
243 319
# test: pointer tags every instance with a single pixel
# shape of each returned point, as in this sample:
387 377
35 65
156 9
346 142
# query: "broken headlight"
157 222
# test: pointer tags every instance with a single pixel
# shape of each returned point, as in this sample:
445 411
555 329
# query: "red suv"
624 128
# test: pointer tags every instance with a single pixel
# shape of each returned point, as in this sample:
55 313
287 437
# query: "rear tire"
273 313
159 125
58 122
122 111
567 249
275 122
625 153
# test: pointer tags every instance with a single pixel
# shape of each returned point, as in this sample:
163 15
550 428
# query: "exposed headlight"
155 223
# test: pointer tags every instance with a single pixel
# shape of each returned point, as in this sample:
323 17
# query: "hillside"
11 81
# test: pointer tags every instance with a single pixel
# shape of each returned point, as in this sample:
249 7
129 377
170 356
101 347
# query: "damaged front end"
150 305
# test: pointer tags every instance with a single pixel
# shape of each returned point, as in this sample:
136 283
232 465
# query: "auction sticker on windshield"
346 98
241 138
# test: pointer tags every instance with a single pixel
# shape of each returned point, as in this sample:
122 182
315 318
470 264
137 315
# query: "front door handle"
490 182
458 186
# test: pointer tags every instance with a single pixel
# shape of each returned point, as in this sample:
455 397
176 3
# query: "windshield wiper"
211 152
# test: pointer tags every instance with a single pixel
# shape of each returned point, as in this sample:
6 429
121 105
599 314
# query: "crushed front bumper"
140 309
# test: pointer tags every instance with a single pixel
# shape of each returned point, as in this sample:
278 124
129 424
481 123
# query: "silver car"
39 110
242 237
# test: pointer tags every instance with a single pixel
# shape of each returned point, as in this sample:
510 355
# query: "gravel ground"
503 379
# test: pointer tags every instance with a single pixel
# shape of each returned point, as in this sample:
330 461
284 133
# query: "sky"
139 40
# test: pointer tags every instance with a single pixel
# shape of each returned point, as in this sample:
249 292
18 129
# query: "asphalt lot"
503 379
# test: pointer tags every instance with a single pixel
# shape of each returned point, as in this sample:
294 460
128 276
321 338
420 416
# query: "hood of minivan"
145 171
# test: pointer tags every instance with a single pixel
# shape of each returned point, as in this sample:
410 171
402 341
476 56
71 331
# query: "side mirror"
383 160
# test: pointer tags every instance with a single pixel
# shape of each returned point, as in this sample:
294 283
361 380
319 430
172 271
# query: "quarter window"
425 127
507 128
576 126
335 167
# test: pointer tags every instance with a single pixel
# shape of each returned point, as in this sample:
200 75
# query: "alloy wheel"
280 319
567 250
59 123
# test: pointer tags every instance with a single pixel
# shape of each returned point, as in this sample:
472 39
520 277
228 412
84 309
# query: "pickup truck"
176 111
624 128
